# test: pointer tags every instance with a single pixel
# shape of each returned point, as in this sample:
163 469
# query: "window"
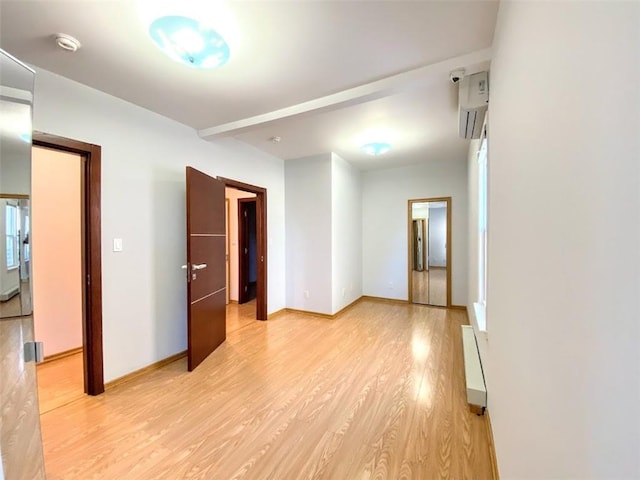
482 222
11 236
480 306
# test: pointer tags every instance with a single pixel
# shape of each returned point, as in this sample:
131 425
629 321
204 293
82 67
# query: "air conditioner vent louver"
473 100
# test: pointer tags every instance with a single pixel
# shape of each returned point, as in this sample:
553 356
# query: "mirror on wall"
16 100
429 233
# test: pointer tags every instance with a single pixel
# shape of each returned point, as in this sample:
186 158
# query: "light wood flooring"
60 382
239 316
430 286
19 429
376 393
11 307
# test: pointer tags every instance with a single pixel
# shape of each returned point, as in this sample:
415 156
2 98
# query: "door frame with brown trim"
91 254
261 231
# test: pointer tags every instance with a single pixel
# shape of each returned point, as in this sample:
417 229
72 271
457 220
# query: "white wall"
143 201
16 168
420 210
233 195
346 233
438 237
564 237
385 195
308 233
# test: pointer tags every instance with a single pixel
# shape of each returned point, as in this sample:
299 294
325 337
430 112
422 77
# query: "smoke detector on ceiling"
67 42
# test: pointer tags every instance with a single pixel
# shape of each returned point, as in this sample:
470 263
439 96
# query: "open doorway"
68 296
247 240
241 308
429 240
57 273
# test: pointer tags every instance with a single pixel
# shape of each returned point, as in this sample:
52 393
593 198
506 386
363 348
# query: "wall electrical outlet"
306 294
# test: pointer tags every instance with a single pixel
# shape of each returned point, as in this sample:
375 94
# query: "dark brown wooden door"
206 273
247 249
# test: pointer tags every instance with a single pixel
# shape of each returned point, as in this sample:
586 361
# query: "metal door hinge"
34 352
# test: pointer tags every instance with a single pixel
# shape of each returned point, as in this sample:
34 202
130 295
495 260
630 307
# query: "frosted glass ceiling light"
376 148
188 41
193 32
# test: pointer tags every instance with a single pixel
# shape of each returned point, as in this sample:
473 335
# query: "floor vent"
476 389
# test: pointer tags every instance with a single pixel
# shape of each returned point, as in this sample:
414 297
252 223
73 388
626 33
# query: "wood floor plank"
60 381
377 393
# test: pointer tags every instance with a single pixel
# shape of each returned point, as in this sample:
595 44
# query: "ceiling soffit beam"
401 82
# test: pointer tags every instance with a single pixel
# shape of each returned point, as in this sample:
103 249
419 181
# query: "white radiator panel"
4 296
476 389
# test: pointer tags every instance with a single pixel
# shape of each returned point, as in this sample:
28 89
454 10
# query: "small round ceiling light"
376 148
67 42
275 139
189 41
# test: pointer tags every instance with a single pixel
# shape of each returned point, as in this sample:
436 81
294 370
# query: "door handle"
198 266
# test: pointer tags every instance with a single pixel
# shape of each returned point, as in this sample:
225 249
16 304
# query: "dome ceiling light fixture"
376 148
67 42
189 32
188 41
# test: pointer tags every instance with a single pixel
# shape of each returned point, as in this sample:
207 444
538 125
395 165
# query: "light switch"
117 244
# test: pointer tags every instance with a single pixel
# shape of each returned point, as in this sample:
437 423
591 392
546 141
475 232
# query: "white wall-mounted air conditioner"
473 101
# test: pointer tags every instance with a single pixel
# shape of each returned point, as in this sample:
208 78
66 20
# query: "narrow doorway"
57 274
256 258
429 241
247 250
71 352
241 310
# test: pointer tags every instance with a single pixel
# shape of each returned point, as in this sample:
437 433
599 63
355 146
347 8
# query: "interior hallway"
378 393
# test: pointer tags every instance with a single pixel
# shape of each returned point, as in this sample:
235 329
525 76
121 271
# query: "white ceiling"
364 64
